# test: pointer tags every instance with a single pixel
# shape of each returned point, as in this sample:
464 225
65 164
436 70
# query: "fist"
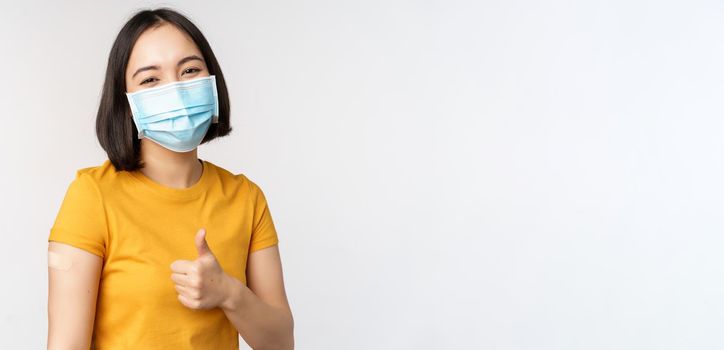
201 283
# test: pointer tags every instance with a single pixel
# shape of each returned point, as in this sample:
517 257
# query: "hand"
202 283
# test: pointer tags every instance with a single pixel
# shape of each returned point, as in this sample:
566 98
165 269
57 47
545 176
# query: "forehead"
162 45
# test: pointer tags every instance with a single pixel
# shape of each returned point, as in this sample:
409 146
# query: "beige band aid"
59 261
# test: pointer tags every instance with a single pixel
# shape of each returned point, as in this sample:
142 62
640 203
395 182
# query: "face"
162 55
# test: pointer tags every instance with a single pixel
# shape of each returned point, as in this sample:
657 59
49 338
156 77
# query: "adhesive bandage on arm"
59 261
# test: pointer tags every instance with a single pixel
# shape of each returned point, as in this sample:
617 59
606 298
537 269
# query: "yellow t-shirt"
139 227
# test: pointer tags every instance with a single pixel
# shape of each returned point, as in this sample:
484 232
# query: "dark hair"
115 129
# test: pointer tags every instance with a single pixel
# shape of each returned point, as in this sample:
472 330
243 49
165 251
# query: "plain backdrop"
442 174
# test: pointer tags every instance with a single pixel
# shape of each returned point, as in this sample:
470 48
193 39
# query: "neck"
169 168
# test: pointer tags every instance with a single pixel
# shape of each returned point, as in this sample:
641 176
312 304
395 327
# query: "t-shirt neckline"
178 193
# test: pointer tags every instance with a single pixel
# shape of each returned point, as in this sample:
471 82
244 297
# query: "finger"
182 279
182 266
189 303
201 245
188 292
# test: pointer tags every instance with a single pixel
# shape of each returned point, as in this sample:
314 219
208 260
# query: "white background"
442 174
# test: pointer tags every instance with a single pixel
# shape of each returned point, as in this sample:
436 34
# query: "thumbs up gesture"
201 283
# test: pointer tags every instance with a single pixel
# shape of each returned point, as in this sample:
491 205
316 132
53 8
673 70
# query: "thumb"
201 244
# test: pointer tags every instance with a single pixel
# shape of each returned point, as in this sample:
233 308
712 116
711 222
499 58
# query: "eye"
148 80
191 70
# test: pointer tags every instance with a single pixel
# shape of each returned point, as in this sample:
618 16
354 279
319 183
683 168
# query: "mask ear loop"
215 117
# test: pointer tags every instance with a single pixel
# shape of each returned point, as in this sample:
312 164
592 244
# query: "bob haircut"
115 129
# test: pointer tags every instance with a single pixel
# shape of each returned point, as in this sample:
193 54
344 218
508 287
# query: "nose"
171 77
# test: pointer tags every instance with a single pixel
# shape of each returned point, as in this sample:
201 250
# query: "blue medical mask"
176 115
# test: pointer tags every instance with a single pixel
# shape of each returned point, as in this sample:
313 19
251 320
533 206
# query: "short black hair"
115 129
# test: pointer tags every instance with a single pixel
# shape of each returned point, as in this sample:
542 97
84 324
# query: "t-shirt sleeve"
81 220
263 234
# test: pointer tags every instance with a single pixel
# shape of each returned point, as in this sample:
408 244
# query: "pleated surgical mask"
176 115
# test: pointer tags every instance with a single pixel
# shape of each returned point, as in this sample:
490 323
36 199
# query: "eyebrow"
180 62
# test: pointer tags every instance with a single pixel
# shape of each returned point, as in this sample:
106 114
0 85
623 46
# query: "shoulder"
85 188
239 180
97 176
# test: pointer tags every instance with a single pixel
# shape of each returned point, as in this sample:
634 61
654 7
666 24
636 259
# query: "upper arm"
264 267
265 277
72 294
76 247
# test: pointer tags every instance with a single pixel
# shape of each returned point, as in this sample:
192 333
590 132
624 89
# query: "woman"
156 248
